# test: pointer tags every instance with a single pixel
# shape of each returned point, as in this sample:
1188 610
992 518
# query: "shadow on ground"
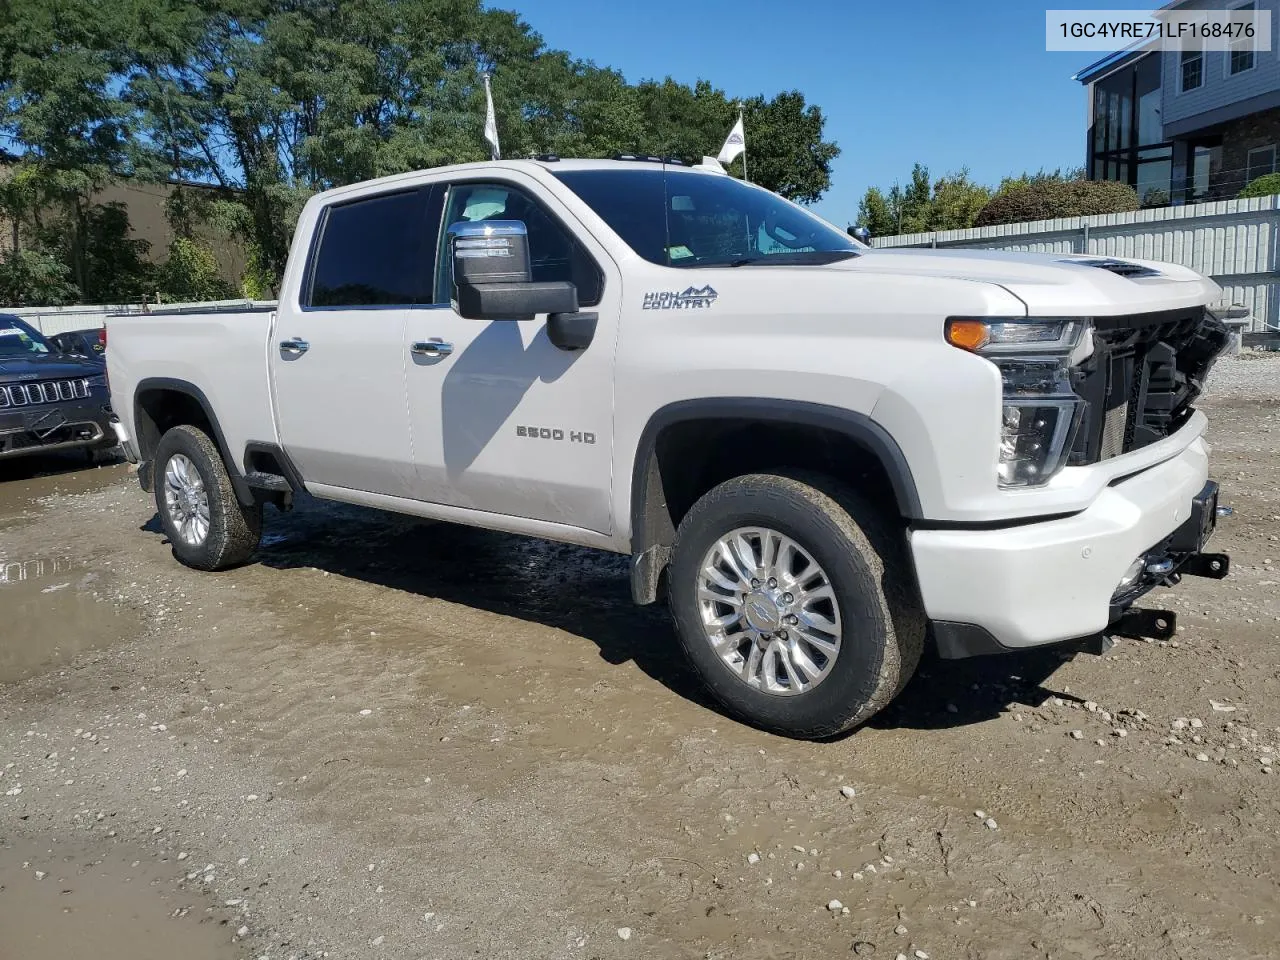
587 593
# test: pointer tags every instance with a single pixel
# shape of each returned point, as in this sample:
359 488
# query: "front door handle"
433 349
295 346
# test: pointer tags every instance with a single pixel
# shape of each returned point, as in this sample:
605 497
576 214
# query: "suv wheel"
208 528
795 601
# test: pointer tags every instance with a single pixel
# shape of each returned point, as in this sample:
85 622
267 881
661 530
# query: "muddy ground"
392 739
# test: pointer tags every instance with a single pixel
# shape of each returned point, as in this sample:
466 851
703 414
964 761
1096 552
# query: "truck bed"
223 355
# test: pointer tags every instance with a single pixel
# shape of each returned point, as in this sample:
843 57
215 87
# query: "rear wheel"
796 603
208 528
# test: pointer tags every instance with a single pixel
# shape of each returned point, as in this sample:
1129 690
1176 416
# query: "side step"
271 482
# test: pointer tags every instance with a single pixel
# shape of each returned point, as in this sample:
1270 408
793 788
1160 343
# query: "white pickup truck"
822 454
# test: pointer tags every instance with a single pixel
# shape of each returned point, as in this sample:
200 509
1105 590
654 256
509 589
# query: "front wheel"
795 601
208 528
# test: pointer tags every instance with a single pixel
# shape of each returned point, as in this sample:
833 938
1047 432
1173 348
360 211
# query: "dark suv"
49 400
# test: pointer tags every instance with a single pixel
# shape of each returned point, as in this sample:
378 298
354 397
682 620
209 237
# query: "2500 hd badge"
555 433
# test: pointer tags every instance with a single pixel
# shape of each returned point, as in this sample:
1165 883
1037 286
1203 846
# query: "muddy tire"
795 600
208 528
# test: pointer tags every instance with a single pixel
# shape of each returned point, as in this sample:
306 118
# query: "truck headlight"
1041 413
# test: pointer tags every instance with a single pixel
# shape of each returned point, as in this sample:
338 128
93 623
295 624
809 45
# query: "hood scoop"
1120 267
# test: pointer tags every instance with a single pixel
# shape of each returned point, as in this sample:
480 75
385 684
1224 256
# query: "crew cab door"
504 421
337 351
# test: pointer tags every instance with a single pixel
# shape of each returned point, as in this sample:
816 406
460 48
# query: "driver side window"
554 253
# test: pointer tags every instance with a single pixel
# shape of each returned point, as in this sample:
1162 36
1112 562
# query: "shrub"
1019 201
35 278
191 274
1264 186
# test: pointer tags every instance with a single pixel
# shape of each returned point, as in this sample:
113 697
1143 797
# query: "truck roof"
553 164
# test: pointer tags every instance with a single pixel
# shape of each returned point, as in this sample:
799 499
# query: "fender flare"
651 532
242 490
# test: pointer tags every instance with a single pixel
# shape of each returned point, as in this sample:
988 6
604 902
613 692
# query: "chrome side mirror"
492 275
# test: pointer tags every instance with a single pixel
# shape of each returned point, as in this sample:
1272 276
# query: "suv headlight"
1041 413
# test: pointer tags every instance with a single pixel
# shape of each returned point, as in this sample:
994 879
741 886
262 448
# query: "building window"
1192 67
1127 141
1262 161
1240 55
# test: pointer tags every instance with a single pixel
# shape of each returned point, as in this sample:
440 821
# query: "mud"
396 739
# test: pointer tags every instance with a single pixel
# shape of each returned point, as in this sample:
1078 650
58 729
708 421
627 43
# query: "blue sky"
948 84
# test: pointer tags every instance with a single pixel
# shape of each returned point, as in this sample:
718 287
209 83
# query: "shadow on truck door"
587 593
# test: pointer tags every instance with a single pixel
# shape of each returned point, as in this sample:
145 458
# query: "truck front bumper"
1053 581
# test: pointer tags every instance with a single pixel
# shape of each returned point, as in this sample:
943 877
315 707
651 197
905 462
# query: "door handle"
294 347
434 349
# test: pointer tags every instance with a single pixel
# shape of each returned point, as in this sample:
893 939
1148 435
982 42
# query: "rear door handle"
295 346
435 348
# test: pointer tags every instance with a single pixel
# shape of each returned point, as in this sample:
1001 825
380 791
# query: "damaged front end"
1139 387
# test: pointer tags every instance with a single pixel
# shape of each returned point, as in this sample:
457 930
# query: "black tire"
865 557
234 529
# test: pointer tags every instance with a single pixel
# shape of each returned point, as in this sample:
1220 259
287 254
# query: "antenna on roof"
712 164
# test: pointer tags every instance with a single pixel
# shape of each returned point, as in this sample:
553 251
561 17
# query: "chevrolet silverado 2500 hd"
821 453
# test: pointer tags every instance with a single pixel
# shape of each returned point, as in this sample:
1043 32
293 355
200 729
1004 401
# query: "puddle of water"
23 482
109 905
53 609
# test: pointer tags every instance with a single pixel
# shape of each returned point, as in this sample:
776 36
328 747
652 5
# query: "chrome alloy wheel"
769 611
186 499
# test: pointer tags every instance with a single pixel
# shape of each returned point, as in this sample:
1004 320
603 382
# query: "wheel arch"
682 454
160 403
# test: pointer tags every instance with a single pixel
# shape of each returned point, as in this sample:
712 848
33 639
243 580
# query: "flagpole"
745 178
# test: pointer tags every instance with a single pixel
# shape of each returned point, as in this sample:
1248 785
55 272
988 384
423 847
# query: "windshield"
19 340
679 218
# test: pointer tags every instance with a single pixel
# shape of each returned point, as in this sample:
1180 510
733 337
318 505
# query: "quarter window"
554 253
375 251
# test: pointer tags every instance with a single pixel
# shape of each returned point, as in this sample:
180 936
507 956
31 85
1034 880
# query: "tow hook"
1144 624
1215 566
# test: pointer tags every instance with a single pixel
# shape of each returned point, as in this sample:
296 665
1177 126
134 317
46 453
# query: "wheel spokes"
760 588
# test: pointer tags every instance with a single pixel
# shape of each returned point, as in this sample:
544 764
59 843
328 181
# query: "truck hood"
1055 284
53 366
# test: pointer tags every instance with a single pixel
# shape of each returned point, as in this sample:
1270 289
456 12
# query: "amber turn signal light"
969 335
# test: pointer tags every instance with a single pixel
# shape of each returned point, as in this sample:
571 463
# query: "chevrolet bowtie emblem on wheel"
689 298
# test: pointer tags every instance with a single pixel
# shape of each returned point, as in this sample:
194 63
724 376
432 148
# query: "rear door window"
375 251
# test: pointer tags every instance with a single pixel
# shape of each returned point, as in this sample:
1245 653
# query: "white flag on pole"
734 144
491 121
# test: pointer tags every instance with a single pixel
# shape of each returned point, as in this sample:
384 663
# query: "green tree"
59 63
191 274
876 214
112 263
956 201
951 202
34 278
786 151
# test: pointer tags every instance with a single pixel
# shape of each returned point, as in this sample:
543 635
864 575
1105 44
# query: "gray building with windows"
1189 125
